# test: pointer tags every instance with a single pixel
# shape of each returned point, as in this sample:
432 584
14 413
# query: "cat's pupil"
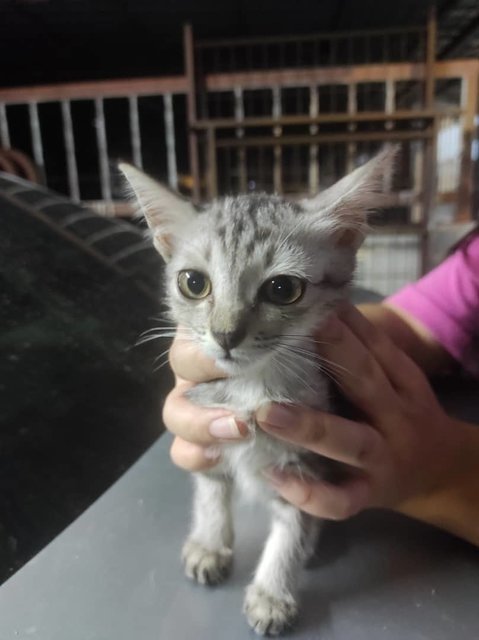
196 282
282 290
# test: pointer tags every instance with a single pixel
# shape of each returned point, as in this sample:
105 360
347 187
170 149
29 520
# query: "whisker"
316 356
321 365
161 355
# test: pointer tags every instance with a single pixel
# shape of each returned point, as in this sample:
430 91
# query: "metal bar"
135 134
189 56
313 149
212 166
239 110
102 150
372 136
170 141
36 137
352 110
239 116
277 152
389 103
69 140
4 130
417 162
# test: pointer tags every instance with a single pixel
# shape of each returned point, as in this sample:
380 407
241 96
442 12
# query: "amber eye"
282 290
194 284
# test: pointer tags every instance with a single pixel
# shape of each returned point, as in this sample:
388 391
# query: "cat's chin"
235 365
231 365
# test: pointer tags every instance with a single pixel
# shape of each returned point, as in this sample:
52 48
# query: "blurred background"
212 99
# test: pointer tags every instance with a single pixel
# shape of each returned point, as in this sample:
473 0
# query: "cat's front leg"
270 603
208 551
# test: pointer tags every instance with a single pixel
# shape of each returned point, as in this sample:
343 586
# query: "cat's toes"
266 614
206 566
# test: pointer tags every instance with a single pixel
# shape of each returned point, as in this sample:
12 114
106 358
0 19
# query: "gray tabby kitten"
250 278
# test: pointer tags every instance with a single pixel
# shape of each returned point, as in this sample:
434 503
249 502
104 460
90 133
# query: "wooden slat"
337 75
305 140
91 90
227 81
332 118
334 35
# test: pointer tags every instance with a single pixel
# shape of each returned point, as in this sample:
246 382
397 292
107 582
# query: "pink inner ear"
346 238
163 244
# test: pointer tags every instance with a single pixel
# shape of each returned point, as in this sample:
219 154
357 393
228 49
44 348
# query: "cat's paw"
266 614
206 566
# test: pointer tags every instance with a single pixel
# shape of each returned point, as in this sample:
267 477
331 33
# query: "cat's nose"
231 339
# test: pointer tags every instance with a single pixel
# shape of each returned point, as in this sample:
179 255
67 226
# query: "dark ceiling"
65 40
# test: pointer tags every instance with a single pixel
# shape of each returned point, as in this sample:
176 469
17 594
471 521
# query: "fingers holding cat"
198 430
352 443
189 363
398 452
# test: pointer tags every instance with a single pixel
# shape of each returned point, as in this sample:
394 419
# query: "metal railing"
26 110
291 116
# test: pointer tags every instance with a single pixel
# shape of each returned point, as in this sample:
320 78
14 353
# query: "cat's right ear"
166 213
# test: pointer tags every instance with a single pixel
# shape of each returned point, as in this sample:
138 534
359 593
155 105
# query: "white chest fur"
246 461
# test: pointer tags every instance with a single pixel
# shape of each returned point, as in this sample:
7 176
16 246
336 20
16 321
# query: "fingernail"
227 427
212 453
278 416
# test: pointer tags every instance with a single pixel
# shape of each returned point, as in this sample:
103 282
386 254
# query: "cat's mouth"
234 362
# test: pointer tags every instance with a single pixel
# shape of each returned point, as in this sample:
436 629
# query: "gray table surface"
115 574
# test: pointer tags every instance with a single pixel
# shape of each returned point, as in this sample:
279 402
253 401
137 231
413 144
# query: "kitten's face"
253 274
247 279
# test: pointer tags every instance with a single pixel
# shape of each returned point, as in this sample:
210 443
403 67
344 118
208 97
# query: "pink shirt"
446 301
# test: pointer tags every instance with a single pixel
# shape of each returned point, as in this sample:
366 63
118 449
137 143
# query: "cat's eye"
282 290
194 284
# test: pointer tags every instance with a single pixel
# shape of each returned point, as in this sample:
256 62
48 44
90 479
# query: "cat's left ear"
166 213
341 211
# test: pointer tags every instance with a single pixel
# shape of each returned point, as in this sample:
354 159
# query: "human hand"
198 431
404 448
